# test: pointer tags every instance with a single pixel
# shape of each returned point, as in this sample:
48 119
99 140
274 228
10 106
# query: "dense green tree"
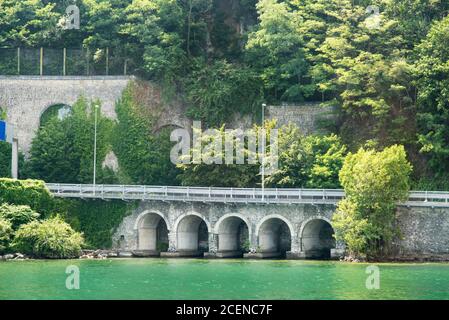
307 161
5 159
206 163
276 49
6 234
32 193
27 22
222 84
310 162
373 182
17 215
62 150
154 37
414 17
433 97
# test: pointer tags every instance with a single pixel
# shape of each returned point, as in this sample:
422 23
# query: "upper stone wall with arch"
25 98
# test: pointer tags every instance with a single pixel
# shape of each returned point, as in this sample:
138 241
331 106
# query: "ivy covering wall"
97 219
143 152
32 193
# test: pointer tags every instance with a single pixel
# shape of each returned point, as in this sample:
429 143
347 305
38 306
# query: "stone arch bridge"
229 222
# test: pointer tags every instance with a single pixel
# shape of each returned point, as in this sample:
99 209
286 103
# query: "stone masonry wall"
295 216
306 116
425 231
26 98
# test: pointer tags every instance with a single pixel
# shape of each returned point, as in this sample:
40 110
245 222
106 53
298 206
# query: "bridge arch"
275 234
278 216
167 126
234 232
58 109
192 232
317 237
152 231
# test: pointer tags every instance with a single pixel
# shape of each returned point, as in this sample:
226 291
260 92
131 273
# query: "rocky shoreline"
15 256
85 254
401 259
104 254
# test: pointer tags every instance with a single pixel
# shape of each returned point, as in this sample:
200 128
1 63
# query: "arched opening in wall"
152 234
192 234
317 239
59 111
233 237
166 128
274 237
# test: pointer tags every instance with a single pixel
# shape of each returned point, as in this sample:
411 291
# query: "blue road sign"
6 132
2 130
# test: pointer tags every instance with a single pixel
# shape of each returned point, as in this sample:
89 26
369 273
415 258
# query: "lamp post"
15 159
263 151
7 135
95 145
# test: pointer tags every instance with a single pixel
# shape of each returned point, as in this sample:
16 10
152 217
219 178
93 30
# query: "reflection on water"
220 279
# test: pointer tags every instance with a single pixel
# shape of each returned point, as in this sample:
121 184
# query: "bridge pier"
339 250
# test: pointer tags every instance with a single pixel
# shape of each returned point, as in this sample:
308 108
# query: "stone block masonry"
295 231
270 229
26 98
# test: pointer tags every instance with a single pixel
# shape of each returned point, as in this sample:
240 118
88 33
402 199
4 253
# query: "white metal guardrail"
215 194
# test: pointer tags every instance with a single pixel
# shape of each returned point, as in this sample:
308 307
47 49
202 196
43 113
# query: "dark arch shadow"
57 110
233 237
152 235
274 237
192 235
317 239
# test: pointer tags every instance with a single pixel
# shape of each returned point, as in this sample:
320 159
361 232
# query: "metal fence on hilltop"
64 62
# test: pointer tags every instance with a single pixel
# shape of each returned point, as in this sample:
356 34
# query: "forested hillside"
389 83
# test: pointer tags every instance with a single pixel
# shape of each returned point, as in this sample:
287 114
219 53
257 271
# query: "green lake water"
219 279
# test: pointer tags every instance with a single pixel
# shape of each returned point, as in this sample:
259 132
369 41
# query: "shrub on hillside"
6 233
52 238
17 215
